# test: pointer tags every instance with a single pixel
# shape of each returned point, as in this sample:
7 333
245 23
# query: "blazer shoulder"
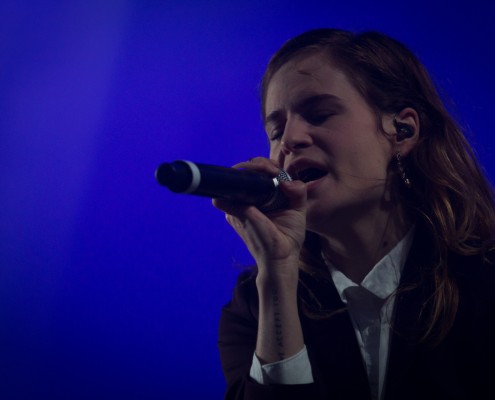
244 301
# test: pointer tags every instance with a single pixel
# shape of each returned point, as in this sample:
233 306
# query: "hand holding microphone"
273 239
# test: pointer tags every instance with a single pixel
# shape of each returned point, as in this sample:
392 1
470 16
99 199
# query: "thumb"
295 192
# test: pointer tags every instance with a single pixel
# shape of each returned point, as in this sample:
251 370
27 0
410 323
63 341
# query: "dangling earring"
402 171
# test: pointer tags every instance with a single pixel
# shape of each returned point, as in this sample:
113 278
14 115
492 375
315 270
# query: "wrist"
278 276
284 285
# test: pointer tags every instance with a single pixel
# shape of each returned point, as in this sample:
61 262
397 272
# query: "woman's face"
322 131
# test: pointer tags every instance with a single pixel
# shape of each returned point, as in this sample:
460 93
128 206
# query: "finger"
229 207
260 164
226 206
296 194
235 222
253 228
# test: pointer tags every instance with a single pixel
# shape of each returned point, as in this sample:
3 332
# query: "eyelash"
276 135
318 118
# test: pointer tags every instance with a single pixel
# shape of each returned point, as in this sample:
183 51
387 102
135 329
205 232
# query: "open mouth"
310 174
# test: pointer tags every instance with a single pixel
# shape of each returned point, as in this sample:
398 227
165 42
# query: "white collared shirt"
370 305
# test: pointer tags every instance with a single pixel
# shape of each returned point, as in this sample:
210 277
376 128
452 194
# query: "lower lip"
313 184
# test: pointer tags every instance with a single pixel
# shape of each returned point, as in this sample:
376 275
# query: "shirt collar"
384 278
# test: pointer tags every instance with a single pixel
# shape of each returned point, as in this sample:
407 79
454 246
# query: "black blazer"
462 366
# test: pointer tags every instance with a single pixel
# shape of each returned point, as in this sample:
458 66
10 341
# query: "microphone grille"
283 176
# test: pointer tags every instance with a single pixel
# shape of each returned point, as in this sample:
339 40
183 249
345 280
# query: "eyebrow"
304 103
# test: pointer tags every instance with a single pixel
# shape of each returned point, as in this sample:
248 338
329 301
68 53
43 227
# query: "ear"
403 129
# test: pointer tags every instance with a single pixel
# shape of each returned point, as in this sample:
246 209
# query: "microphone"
241 186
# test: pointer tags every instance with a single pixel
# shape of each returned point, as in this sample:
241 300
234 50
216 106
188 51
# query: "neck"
356 247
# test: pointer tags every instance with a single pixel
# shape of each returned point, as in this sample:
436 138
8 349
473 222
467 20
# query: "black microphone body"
242 186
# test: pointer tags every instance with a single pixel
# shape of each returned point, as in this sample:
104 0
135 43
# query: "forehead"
306 76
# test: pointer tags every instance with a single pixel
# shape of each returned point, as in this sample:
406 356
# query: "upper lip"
296 167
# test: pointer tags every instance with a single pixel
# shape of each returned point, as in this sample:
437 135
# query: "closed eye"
275 134
317 119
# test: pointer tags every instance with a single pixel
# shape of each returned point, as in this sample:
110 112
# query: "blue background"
110 285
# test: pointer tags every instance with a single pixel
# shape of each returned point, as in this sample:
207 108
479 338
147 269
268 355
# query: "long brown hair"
450 194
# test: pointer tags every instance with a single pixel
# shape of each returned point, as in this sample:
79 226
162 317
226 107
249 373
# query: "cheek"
365 159
274 151
373 147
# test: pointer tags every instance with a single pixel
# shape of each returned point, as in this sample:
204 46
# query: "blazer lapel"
406 328
333 338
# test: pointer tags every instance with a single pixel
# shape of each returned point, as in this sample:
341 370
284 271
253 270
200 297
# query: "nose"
295 136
